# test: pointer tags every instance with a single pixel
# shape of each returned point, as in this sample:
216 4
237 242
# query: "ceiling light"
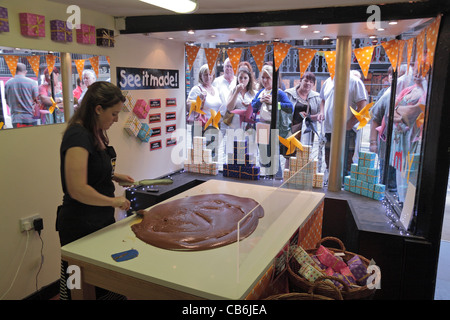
392 22
243 29
178 6
191 32
213 36
231 41
380 29
326 38
372 36
304 26
316 31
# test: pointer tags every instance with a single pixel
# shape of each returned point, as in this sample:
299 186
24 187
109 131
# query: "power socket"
26 224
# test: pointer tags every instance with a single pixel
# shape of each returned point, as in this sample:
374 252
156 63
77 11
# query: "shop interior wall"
29 161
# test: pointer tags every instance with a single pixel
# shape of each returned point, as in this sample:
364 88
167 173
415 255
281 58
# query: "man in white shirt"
357 99
225 83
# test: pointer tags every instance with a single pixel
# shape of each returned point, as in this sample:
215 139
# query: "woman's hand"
118 177
121 203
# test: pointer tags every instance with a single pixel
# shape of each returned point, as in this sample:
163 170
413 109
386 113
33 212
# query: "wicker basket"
311 295
348 293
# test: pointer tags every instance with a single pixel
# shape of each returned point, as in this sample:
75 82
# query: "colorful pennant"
34 63
259 52
191 53
234 54
304 59
50 59
211 57
280 51
94 64
330 57
12 61
364 57
391 49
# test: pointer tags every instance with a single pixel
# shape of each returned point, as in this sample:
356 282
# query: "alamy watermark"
373 22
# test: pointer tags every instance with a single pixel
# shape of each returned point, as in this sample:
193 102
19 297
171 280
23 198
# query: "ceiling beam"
330 15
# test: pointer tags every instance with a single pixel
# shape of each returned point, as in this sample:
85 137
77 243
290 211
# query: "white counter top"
210 274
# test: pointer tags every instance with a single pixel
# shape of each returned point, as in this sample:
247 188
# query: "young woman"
87 168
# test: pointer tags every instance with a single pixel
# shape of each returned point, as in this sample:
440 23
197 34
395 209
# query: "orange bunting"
330 57
304 59
280 51
401 47
94 64
191 53
50 59
34 63
258 53
409 49
12 61
420 40
391 49
211 57
234 54
364 57
108 59
79 64
432 33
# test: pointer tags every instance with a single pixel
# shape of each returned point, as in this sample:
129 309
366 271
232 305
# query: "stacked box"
363 178
240 163
4 21
308 175
144 133
141 109
129 103
199 159
132 125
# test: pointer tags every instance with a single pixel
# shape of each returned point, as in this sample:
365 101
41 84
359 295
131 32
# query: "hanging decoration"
304 59
95 64
432 33
12 61
234 54
330 57
401 47
32 25
86 34
60 31
409 49
420 41
51 59
211 57
191 53
34 63
391 49
79 64
280 51
4 22
258 52
364 57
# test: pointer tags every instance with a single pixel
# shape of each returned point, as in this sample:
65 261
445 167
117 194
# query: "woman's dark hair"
100 93
310 76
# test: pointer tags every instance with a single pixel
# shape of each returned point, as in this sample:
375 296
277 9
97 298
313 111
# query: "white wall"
29 157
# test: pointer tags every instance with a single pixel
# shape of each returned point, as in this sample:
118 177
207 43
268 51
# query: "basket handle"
321 280
341 244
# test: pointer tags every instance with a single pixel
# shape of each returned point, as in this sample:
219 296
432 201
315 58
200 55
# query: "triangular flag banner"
420 41
258 53
330 57
11 61
108 59
364 57
409 49
401 47
304 59
432 33
280 51
234 54
191 53
51 59
391 49
94 64
34 63
211 57
80 67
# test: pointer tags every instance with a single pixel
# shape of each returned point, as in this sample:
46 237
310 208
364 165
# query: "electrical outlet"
26 224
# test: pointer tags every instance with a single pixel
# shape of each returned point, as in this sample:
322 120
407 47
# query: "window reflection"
31 90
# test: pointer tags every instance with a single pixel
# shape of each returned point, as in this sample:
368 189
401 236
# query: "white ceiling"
123 8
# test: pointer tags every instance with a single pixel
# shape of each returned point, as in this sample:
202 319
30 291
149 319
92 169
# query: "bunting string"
394 50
